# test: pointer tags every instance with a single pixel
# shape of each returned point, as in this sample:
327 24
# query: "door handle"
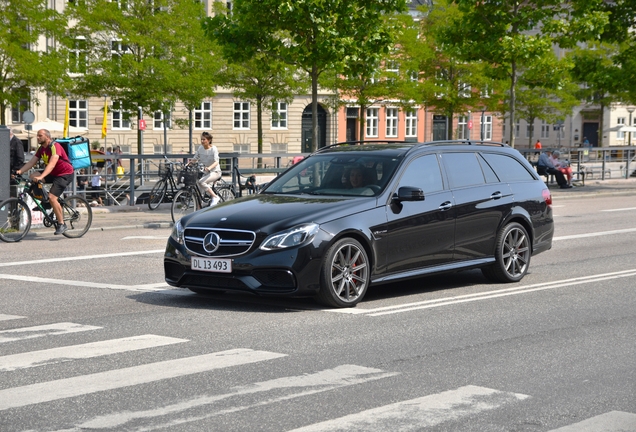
496 195
445 206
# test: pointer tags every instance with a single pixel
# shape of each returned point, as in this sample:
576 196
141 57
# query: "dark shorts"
59 183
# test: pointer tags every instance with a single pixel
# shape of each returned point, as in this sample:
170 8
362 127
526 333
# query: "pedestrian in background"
545 166
562 166
96 185
208 155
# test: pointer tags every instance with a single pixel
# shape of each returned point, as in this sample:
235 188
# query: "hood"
271 213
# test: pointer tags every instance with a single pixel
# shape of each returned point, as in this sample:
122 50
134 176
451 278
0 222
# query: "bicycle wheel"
157 193
78 216
15 220
184 203
225 193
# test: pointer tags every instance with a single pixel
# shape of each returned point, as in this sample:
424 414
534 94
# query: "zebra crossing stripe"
84 351
613 421
416 414
9 317
119 378
43 330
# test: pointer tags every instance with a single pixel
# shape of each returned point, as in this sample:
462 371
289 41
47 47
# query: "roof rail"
362 142
466 142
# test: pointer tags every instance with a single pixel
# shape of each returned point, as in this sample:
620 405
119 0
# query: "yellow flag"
105 121
66 121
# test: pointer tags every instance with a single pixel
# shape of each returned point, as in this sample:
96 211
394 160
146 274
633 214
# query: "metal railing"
141 172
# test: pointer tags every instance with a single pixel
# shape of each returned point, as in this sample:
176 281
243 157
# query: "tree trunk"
259 128
363 124
513 85
314 108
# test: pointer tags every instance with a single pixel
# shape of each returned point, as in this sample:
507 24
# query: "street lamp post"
629 137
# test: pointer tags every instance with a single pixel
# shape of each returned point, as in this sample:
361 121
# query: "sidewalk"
140 216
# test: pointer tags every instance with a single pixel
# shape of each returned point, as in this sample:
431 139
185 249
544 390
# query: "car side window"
507 168
463 169
423 172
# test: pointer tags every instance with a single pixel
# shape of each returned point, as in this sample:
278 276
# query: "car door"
481 201
420 233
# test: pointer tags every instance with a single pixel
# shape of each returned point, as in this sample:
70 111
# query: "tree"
510 35
25 64
251 73
445 82
142 55
318 35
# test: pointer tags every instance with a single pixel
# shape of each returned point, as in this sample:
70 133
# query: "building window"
545 129
411 123
462 127
620 121
117 50
241 115
77 57
485 92
121 118
203 116
391 122
278 147
159 149
487 128
464 90
158 120
18 109
279 115
241 148
78 113
372 122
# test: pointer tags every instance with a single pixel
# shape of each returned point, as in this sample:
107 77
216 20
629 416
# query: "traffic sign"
142 124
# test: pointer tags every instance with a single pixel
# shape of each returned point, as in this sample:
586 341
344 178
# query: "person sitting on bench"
545 167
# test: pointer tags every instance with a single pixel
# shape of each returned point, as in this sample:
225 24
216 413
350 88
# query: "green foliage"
25 64
148 54
319 35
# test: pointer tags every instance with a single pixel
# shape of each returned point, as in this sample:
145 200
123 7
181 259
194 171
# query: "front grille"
231 242
275 278
213 281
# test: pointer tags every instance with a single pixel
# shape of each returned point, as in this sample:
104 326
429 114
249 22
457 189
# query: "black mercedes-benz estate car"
349 216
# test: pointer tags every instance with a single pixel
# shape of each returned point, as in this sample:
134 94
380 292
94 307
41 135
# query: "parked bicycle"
190 198
16 216
166 188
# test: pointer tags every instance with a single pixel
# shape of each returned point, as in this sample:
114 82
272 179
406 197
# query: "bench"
577 176
592 171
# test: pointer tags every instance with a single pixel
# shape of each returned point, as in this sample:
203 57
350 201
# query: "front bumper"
288 272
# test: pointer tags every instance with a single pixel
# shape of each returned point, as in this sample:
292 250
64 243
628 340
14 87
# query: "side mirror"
409 193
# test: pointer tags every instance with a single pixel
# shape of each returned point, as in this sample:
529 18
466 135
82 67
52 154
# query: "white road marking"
613 421
416 414
119 378
81 257
9 317
43 330
84 351
445 301
594 234
619 209
164 237
157 287
293 387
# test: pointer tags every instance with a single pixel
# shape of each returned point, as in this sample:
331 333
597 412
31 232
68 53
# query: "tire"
78 216
183 204
345 274
15 220
225 193
512 255
157 194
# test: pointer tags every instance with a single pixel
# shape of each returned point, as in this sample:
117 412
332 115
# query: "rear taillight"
547 196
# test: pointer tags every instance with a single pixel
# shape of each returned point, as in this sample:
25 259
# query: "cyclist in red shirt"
58 171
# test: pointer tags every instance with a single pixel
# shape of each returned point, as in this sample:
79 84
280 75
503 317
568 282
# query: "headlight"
177 232
291 237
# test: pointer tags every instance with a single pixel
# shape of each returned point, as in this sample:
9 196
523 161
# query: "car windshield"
350 174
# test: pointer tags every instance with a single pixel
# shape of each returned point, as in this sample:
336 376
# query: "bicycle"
165 187
190 198
16 218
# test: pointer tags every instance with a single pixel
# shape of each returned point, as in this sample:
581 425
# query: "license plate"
217 265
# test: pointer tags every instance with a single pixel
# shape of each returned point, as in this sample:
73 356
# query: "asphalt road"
92 339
